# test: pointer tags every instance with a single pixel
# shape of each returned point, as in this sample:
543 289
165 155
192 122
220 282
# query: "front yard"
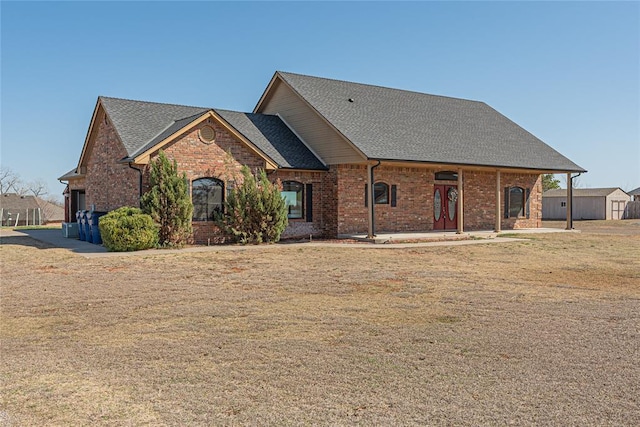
540 332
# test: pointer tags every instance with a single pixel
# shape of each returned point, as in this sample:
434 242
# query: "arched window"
516 202
381 193
207 195
292 194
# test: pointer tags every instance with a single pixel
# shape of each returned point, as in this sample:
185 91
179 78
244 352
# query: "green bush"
255 211
128 229
168 202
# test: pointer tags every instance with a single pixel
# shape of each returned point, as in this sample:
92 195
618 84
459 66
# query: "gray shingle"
273 138
138 122
141 125
393 124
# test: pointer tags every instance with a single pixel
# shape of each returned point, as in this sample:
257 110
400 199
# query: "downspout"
372 201
570 201
139 181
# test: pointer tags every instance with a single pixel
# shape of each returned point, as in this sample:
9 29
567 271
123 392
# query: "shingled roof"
139 122
141 125
393 124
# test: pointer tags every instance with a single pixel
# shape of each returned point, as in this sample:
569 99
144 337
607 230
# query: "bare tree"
9 180
38 187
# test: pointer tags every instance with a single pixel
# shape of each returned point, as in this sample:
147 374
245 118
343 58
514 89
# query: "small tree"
549 182
255 211
168 202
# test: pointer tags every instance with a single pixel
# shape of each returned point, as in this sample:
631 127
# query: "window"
446 176
207 198
292 194
516 202
381 193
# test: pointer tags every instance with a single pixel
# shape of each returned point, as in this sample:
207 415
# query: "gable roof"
15 203
581 192
274 138
393 124
634 192
142 125
139 122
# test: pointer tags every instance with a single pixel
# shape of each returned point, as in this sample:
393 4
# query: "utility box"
70 230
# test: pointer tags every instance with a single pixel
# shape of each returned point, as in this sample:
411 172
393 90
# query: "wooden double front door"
445 207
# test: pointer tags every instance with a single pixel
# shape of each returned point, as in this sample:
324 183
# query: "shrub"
128 229
255 211
168 202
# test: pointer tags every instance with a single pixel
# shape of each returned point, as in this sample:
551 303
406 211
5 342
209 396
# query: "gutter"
139 180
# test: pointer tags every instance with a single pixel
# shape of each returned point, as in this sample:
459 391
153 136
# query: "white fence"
20 217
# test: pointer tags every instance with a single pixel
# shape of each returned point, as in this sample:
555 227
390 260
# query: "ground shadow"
50 239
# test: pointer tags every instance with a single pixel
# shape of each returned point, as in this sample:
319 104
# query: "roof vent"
207 134
350 99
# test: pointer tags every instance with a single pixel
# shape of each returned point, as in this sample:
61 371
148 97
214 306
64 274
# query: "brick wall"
414 209
108 183
338 194
200 160
480 196
300 227
414 199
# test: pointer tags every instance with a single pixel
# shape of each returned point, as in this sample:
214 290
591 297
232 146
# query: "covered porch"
458 199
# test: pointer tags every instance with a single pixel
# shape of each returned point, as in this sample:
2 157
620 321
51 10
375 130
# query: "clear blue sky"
568 72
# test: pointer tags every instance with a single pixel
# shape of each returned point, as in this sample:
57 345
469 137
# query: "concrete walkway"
55 238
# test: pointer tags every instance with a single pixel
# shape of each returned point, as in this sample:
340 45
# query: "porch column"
371 197
569 202
460 229
498 203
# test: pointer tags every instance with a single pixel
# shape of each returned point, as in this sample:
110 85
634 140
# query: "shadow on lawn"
49 239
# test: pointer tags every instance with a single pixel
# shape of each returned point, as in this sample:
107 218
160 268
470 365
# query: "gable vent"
207 134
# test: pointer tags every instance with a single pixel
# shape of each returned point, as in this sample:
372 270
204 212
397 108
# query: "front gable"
320 136
192 128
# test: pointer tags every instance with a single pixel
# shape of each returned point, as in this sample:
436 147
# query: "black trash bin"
81 234
94 220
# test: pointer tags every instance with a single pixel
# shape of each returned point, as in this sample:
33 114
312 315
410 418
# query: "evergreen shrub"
168 202
128 229
255 211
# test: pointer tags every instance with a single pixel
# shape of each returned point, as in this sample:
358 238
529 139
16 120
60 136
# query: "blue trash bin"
81 234
85 226
94 221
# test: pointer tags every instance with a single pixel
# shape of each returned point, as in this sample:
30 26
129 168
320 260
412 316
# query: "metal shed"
588 203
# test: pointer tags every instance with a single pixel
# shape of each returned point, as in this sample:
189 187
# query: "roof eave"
267 90
143 157
484 166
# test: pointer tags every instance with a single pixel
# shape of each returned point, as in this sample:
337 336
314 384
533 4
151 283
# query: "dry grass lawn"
541 332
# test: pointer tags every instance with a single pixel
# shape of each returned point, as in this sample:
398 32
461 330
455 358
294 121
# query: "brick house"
352 158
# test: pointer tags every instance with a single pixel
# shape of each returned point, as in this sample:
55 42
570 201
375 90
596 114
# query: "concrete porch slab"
427 236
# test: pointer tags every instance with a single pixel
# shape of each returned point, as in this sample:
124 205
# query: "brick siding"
414 209
338 194
108 183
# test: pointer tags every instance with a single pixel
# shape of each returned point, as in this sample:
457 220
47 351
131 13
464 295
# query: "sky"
567 72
